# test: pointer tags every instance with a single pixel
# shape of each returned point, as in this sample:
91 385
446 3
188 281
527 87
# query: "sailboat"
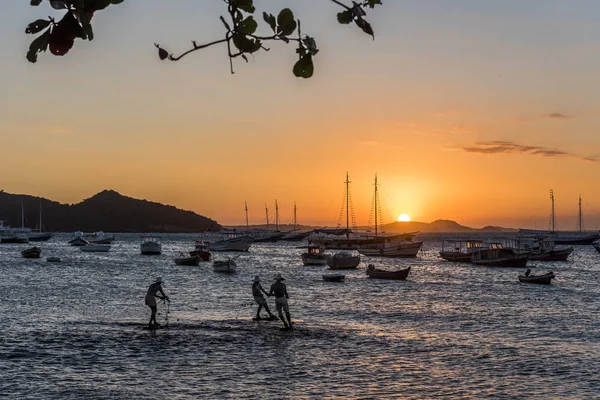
390 246
579 237
40 236
294 235
265 235
17 235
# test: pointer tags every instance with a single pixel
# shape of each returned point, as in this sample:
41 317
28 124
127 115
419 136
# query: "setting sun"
404 218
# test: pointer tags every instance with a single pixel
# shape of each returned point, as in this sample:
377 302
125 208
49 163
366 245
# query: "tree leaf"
58 4
270 19
373 3
35 2
365 26
244 44
248 26
38 45
286 24
345 17
37 26
304 67
244 5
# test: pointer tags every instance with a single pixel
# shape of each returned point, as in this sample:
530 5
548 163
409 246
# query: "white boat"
227 266
343 260
150 245
95 247
314 255
232 242
390 246
99 238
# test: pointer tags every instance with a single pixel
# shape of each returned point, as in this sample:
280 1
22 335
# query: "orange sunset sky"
470 110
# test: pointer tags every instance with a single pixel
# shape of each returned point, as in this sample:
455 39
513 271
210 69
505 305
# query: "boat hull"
95 248
192 261
454 256
40 237
314 260
399 275
33 252
14 239
509 262
232 244
401 250
553 255
540 279
226 267
78 241
151 248
342 261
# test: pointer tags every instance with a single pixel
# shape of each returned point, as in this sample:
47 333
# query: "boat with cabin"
315 255
460 250
202 250
231 240
99 238
543 249
496 255
225 266
151 245
187 260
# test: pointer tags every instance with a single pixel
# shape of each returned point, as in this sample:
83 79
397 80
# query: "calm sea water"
74 329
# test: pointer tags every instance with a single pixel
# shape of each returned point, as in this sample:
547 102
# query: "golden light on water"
404 217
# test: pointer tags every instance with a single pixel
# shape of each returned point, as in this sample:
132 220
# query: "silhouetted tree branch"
240 30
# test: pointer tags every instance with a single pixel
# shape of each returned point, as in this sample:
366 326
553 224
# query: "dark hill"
107 211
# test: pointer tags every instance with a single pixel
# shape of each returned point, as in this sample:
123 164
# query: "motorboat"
150 245
398 275
202 250
78 240
544 279
33 252
95 248
343 260
100 238
315 255
225 266
232 242
187 260
543 249
495 255
334 277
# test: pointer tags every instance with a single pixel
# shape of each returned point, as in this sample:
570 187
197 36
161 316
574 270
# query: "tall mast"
267 211
294 216
552 216
580 217
246 208
40 215
375 201
22 214
276 216
347 204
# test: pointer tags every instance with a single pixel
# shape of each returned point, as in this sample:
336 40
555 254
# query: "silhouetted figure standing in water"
151 301
281 295
257 292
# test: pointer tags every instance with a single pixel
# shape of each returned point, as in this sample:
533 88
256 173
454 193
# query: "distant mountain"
106 211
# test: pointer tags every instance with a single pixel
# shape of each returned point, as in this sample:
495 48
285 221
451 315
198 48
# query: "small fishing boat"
53 259
78 240
334 277
150 245
227 266
33 252
540 279
314 256
343 260
100 238
187 260
202 250
95 248
399 275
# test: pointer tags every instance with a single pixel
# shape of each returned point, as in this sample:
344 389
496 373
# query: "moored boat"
95 248
343 260
400 274
151 245
460 250
543 249
78 240
100 238
33 252
544 279
225 266
202 250
14 238
185 260
314 255
334 277
498 256
232 242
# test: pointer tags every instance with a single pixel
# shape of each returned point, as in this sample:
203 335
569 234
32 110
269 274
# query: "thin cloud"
558 116
499 147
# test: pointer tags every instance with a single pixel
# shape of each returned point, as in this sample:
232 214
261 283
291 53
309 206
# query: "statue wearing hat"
257 292
150 300
279 290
